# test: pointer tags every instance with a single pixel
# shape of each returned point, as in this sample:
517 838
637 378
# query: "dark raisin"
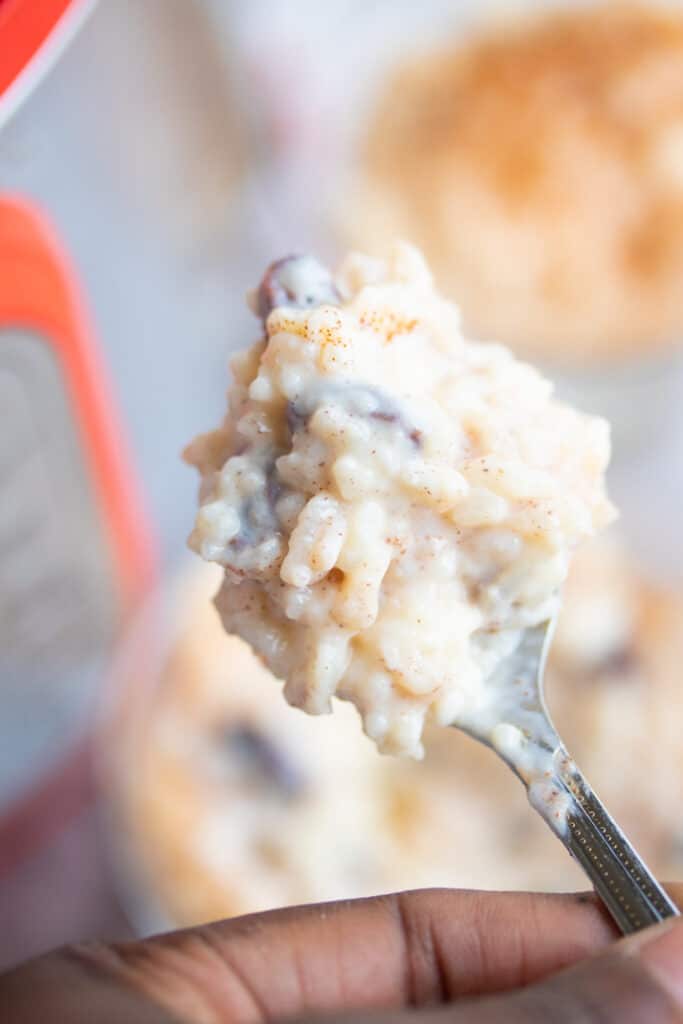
261 757
385 415
274 488
297 281
623 661
296 418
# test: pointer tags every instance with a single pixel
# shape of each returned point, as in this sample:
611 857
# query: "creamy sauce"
513 721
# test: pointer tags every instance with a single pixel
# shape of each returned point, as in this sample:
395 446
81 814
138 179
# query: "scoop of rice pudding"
392 504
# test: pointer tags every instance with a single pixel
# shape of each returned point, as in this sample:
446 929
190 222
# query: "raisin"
300 282
261 757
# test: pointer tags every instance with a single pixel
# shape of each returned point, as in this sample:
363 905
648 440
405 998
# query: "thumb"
639 979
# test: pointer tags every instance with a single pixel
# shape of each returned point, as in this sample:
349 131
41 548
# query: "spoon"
524 736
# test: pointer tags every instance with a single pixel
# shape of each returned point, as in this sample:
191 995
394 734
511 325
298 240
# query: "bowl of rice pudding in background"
224 800
539 166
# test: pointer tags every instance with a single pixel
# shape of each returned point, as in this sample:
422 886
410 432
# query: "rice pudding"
392 505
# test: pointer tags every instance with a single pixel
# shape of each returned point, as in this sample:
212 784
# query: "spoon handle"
628 889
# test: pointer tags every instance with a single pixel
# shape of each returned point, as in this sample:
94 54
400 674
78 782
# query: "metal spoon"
528 742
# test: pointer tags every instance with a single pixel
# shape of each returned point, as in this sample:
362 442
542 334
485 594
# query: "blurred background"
155 155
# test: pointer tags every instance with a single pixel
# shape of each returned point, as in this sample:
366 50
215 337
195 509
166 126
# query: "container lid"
33 33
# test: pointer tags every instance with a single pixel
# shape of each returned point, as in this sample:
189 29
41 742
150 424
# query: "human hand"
437 954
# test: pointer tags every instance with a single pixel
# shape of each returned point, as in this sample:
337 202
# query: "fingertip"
660 949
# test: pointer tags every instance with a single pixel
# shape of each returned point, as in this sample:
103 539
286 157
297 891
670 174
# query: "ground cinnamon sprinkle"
581 61
551 134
